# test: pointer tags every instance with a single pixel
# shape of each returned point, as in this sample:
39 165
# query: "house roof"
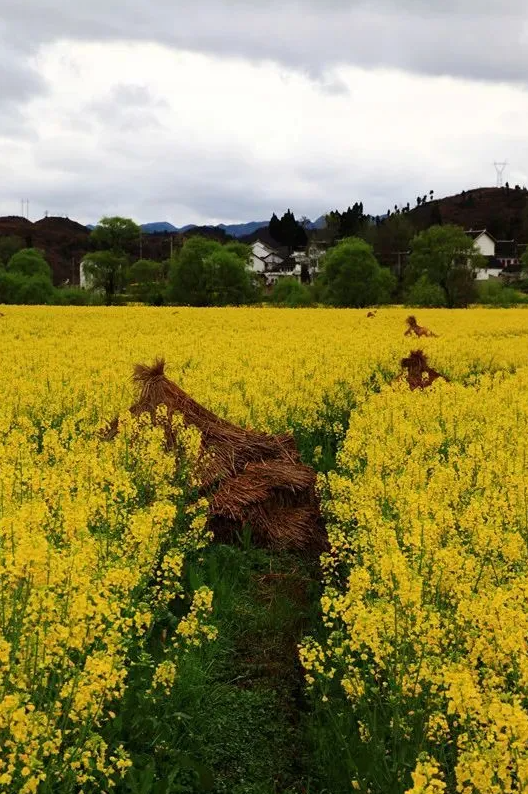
476 233
262 235
506 249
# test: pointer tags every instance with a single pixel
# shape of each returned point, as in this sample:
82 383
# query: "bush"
291 293
495 293
16 288
424 293
352 277
205 273
10 286
37 290
448 257
75 296
29 262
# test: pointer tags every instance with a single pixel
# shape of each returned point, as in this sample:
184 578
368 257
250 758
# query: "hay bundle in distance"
414 328
419 374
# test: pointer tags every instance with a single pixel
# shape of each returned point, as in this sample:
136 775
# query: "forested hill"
502 211
65 242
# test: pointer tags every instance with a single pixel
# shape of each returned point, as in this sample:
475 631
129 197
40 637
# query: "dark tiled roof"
506 249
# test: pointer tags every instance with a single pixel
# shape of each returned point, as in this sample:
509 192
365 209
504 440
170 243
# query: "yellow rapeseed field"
426 580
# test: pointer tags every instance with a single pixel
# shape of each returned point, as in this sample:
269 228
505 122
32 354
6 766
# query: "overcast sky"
227 110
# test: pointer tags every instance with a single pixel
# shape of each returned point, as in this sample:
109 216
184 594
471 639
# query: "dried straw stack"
251 478
419 374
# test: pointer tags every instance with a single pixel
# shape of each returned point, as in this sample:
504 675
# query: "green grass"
235 722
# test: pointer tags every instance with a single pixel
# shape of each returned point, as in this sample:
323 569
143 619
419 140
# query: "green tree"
145 279
29 262
423 293
18 288
9 245
227 279
188 276
106 270
115 234
390 239
287 231
351 276
241 250
447 256
206 273
291 293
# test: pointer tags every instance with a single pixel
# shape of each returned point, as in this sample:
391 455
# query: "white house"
273 264
85 280
263 256
483 240
269 263
486 244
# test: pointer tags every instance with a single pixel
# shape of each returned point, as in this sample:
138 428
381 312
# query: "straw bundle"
414 328
419 374
251 478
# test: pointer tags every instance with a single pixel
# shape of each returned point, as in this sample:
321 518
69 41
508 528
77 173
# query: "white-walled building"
499 253
484 242
85 280
275 263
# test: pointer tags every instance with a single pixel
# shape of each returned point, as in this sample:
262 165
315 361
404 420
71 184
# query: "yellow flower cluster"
86 526
426 580
427 577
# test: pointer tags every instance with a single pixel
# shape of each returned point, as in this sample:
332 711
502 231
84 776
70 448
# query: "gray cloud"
126 151
126 106
19 82
469 38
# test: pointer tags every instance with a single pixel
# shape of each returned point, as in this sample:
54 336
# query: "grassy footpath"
237 721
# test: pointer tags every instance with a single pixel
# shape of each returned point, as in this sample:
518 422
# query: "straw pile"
250 478
417 330
419 374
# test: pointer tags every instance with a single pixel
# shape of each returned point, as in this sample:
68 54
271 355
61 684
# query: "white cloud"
145 130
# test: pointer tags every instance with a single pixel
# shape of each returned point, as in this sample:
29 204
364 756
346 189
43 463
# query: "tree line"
440 271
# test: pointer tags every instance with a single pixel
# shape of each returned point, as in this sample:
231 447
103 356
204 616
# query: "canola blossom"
425 582
426 591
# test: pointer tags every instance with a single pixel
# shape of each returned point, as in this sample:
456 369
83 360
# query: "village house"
502 256
273 262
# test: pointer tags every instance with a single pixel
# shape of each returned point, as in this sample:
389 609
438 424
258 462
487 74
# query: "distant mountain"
231 229
242 229
236 230
160 226
320 223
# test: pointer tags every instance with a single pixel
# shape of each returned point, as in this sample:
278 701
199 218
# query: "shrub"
290 292
424 293
29 262
352 277
75 296
495 293
16 288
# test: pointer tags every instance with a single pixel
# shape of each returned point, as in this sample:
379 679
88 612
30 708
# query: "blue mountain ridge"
233 229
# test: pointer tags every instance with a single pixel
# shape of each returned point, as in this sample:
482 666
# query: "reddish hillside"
63 241
502 211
